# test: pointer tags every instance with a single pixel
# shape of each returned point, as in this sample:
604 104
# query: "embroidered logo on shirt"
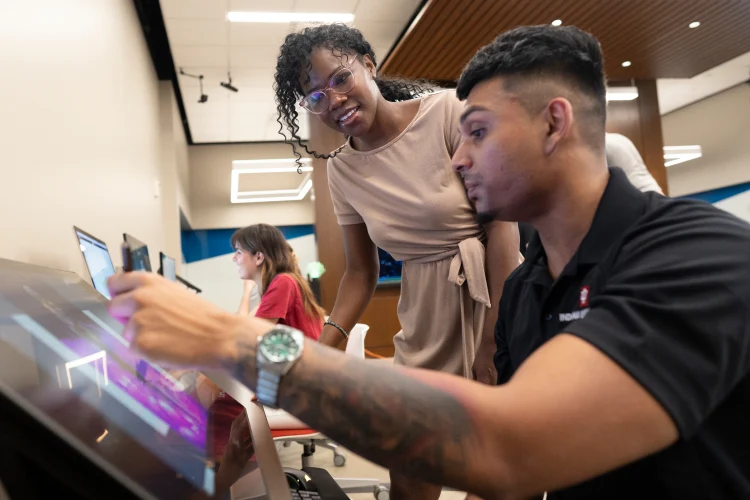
573 316
583 300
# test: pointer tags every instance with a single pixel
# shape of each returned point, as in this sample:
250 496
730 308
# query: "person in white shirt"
622 153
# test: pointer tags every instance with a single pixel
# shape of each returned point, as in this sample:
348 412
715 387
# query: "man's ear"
559 120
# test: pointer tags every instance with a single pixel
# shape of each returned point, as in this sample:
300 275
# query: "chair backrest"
355 346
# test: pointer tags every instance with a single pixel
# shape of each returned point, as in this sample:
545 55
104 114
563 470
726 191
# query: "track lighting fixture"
228 85
203 97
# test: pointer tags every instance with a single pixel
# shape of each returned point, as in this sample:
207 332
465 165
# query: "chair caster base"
381 493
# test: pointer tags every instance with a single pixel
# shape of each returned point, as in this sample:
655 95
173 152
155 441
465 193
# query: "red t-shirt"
282 301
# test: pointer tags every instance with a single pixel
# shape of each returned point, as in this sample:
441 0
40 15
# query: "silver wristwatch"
278 350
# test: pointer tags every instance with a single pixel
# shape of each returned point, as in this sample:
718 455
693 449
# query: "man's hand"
170 325
484 365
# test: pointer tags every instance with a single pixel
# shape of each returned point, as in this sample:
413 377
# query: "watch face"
278 346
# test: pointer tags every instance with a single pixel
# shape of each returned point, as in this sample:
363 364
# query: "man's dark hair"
566 54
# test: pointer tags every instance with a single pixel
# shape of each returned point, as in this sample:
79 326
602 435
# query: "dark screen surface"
66 361
139 251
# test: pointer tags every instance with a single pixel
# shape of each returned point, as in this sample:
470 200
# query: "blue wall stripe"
716 195
207 243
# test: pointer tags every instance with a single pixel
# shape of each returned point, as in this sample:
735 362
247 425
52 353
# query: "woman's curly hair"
295 56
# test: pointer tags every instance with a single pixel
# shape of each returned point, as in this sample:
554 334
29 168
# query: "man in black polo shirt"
648 294
624 338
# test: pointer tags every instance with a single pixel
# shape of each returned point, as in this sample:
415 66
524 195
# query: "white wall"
210 178
80 139
721 126
174 173
218 279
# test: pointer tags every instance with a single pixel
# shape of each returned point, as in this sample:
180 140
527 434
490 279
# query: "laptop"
167 267
84 420
139 251
98 260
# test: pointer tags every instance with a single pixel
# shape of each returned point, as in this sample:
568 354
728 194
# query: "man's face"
501 156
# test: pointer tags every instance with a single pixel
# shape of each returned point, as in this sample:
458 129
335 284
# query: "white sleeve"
622 153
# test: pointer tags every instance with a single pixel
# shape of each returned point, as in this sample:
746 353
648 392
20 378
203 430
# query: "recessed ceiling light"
694 24
289 17
626 64
557 22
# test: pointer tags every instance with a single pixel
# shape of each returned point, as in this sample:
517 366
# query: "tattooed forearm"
389 418
380 413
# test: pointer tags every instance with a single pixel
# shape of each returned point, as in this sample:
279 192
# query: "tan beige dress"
415 207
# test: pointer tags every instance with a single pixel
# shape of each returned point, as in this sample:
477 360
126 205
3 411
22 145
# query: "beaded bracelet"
343 332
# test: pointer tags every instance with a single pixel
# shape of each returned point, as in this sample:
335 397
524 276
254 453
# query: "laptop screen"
98 260
57 342
168 267
139 251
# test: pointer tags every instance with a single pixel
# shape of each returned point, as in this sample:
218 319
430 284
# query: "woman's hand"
249 287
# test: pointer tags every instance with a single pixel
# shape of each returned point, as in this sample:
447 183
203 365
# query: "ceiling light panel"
289 17
270 166
622 93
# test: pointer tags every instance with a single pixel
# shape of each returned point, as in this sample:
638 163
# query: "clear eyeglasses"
341 82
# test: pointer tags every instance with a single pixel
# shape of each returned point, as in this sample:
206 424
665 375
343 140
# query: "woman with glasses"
392 185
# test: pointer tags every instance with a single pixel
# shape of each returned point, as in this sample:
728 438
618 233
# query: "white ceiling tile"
253 96
247 111
198 32
399 11
194 9
210 135
253 56
266 34
205 56
327 6
380 33
211 76
381 52
261 5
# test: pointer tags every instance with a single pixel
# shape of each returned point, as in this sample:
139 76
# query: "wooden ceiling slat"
445 40
712 36
652 34
418 36
507 19
673 40
482 34
442 23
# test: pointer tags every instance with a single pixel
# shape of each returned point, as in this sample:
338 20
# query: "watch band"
267 391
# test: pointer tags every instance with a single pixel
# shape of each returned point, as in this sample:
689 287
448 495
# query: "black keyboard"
304 495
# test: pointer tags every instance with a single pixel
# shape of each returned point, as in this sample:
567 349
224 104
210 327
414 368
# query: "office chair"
287 429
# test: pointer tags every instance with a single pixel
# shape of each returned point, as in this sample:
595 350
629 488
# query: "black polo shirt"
662 287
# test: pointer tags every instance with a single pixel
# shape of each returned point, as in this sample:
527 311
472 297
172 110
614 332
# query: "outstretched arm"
570 413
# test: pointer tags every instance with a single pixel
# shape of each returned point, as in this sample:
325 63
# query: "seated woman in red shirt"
264 256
